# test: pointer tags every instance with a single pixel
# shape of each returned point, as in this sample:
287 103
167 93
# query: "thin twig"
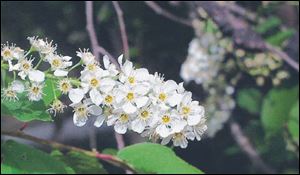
247 147
98 49
240 11
24 126
283 56
122 28
160 11
105 157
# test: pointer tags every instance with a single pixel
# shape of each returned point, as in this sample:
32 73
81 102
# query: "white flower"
179 139
86 56
199 129
132 76
9 94
42 46
11 52
83 110
120 120
56 107
96 83
24 66
203 61
169 123
35 92
64 86
166 94
143 119
59 64
132 98
190 110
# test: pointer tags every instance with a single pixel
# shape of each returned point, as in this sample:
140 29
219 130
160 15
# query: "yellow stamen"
166 119
130 96
162 96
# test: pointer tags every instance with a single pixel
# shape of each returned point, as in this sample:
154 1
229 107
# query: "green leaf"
80 163
25 110
50 94
276 109
280 37
20 159
268 25
155 158
293 123
250 100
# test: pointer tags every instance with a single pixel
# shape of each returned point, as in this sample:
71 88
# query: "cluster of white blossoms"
123 97
32 80
204 59
219 105
203 66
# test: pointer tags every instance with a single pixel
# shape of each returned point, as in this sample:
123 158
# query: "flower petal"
141 101
96 97
95 110
129 108
76 95
99 121
36 76
60 73
79 121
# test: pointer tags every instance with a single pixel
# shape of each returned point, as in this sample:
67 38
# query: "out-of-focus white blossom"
204 59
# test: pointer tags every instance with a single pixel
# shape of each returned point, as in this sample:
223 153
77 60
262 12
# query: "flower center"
10 93
131 80
81 111
130 96
26 66
36 90
162 96
186 110
178 135
166 119
145 114
56 63
94 82
65 87
91 67
124 118
108 99
7 53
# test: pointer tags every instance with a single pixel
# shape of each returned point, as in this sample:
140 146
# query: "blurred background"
163 45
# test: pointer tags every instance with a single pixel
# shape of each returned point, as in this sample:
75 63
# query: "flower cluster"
204 59
21 64
262 66
220 95
134 99
120 96
203 65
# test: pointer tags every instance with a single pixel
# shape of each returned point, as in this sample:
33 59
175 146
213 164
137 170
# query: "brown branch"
122 28
247 147
283 56
96 48
241 32
233 7
160 11
105 157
